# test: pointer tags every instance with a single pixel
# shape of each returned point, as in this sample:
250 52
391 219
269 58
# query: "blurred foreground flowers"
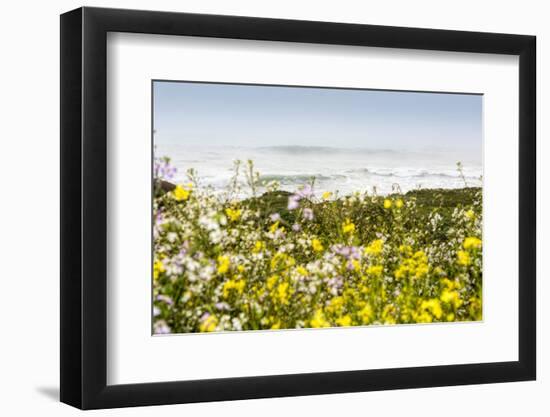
284 260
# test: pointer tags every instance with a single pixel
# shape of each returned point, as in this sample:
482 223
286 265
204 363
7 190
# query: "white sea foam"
335 169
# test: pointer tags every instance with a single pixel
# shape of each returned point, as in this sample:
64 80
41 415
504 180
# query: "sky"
259 116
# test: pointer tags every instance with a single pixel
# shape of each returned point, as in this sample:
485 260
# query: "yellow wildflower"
420 256
319 320
416 266
451 297
348 227
464 258
209 324
335 304
233 214
451 285
375 248
433 306
405 314
366 314
470 214
180 193
387 203
273 228
399 203
472 243
233 284
388 314
271 281
258 246
344 321
405 250
421 270
327 195
223 264
401 272
375 270
317 245
283 292
301 270
158 268
282 260
423 317
436 309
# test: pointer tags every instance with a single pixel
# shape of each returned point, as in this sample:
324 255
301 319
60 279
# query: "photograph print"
290 207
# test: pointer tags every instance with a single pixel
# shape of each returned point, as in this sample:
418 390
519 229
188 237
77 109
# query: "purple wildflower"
158 217
341 250
293 202
165 298
161 327
308 214
163 169
349 252
354 252
275 217
305 192
336 282
222 306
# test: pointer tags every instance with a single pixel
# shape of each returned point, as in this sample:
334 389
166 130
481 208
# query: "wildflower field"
257 257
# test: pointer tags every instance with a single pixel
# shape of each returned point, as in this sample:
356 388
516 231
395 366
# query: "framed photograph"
256 208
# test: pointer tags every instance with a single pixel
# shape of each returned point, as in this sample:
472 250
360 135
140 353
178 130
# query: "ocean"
338 170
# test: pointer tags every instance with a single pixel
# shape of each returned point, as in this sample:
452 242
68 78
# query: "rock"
164 186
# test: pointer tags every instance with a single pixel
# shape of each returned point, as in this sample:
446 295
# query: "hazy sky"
244 115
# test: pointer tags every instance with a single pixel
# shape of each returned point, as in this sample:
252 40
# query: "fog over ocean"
342 169
348 139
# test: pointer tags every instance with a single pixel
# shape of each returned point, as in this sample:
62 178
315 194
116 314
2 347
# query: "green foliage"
280 260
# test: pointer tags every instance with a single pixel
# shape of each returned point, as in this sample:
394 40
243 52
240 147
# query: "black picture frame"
84 207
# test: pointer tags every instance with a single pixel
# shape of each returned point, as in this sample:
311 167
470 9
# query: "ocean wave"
294 178
404 173
303 150
354 174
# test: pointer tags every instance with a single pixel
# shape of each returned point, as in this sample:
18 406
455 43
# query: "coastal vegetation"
255 257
